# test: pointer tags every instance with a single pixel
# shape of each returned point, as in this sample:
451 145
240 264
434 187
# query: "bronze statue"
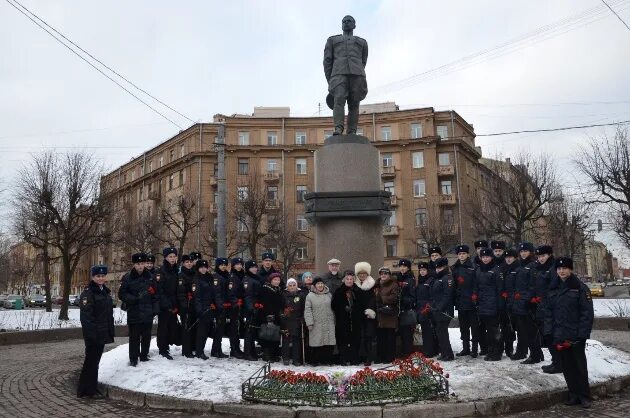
345 57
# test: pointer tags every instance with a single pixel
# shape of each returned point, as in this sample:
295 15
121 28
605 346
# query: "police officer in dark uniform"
407 283
168 328
509 269
267 268
220 279
423 308
185 305
150 266
463 271
442 307
194 256
487 294
207 299
233 296
479 245
568 324
139 292
435 252
498 250
97 323
523 293
250 287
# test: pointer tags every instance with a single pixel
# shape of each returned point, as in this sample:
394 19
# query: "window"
161 161
422 248
390 247
272 193
328 133
215 170
240 226
388 159
272 166
243 166
445 186
388 186
386 133
150 166
300 138
392 218
170 181
442 131
359 131
150 187
418 188
273 250
171 154
421 217
301 253
417 159
448 218
272 138
242 192
182 177
302 225
416 131
140 194
300 165
133 175
141 170
182 150
243 138
300 192
444 158
161 186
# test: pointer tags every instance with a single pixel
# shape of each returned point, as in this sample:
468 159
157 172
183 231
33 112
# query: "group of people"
502 295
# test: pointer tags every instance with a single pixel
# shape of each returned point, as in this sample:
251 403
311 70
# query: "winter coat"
332 281
568 311
273 303
207 297
407 284
232 292
348 314
442 296
97 315
545 275
167 279
387 294
488 290
524 286
423 298
319 318
139 292
264 275
366 303
184 290
293 313
464 277
509 271
250 286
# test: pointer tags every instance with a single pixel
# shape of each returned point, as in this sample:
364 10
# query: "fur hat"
486 252
497 245
526 246
544 249
423 265
481 243
139 258
463 248
317 280
169 250
195 255
564 262
249 264
201 263
220 260
186 257
511 252
98 269
267 256
435 249
363 266
441 262
404 262
150 258
236 260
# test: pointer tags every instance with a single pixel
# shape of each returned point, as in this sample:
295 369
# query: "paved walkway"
40 380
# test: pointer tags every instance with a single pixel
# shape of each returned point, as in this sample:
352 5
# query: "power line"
93 66
615 13
566 128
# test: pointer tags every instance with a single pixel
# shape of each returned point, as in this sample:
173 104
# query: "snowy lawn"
36 319
220 380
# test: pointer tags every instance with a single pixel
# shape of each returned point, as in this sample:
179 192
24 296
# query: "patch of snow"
36 319
220 380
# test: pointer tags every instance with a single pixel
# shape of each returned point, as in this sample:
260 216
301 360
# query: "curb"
54 335
486 407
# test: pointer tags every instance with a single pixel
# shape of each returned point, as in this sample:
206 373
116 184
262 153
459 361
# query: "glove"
563 346
189 296
370 313
474 297
239 302
258 306
504 295
536 299
517 296
151 290
426 309
460 280
227 305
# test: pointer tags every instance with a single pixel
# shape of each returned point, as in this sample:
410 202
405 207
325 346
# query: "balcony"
272 204
155 195
393 200
388 172
213 181
446 170
272 176
390 230
447 199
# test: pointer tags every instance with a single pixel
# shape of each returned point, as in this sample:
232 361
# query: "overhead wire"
616 14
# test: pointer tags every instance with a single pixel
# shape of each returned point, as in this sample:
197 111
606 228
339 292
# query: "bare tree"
567 224
179 218
287 240
75 210
21 268
435 226
5 262
209 240
138 233
518 192
606 164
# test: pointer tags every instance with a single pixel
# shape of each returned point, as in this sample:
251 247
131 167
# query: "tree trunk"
46 269
67 282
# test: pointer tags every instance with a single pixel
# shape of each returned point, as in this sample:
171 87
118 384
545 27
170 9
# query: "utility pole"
221 197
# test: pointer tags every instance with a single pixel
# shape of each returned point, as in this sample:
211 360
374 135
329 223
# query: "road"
616 292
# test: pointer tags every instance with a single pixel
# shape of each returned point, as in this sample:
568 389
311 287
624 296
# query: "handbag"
417 336
269 332
387 311
408 318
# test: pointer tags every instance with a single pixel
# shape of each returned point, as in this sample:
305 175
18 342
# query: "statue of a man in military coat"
345 57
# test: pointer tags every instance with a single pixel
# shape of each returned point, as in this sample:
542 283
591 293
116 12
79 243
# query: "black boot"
465 351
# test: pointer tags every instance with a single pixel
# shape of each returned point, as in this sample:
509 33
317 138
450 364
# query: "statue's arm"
365 54
328 58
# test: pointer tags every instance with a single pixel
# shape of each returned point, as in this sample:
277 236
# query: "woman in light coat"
320 320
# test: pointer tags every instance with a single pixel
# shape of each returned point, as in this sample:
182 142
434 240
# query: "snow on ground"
220 380
36 319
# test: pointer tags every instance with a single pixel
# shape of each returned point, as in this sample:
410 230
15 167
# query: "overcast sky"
208 57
